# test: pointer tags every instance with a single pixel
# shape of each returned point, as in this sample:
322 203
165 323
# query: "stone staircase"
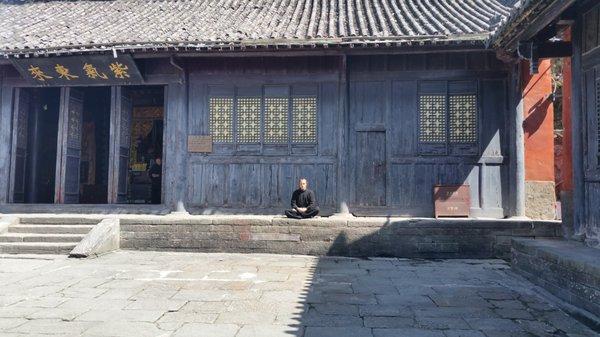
45 235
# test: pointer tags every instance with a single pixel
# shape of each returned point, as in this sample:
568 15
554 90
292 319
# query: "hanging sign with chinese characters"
79 70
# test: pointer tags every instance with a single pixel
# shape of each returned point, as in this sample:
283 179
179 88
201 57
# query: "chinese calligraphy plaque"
452 201
79 70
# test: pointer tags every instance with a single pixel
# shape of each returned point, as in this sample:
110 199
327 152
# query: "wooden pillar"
34 149
566 167
6 103
577 119
518 145
343 192
175 146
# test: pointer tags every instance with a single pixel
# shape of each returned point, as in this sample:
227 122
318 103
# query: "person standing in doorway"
304 203
155 173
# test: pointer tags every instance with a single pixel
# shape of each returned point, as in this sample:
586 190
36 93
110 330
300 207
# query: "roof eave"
525 22
474 40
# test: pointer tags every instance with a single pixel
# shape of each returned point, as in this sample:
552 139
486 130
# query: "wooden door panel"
120 140
69 146
124 145
370 169
21 127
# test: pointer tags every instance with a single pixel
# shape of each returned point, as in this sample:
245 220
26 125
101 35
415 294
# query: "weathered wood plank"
5 144
403 119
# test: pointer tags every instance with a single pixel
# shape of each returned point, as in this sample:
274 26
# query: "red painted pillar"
538 127
565 186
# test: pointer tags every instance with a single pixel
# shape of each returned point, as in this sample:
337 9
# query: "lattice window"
248 120
432 118
304 119
463 119
221 117
276 120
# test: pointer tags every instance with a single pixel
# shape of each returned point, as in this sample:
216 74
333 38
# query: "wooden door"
370 169
20 140
121 115
69 146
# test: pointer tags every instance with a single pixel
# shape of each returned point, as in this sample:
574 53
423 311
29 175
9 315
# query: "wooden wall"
366 156
262 177
380 124
587 56
383 98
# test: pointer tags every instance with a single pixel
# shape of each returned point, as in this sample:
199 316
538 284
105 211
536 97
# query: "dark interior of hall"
95 133
41 133
145 174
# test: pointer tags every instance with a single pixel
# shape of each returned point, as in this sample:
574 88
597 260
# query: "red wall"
538 123
566 183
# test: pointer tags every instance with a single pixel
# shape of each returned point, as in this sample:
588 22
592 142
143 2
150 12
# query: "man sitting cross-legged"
304 204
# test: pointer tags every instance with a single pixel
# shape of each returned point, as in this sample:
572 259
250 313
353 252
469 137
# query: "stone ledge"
566 269
336 235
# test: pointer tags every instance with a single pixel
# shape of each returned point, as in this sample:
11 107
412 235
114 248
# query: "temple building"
384 106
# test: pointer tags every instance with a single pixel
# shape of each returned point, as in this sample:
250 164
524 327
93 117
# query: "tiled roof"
520 19
59 26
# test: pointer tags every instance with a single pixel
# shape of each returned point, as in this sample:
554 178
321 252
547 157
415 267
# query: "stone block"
7 221
540 199
262 330
337 332
103 238
388 322
201 329
410 332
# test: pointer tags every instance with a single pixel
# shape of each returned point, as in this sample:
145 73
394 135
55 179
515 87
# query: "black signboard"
79 70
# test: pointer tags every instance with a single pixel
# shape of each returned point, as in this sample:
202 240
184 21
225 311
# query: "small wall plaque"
452 201
200 144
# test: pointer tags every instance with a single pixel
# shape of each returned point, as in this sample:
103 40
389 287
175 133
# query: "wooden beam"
538 23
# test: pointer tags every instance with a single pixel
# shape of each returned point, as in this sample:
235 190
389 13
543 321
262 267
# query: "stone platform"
566 269
336 235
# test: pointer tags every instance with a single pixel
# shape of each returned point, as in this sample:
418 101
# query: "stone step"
36 247
39 237
50 229
58 221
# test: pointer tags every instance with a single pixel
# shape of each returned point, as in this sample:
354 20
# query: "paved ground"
180 294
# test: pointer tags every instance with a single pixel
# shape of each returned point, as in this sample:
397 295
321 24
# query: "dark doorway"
145 163
36 142
95 133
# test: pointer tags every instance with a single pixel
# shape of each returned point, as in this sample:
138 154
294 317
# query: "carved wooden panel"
276 120
221 119
248 119
432 119
74 127
304 120
463 119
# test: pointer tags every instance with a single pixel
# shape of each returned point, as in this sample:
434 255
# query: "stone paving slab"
128 293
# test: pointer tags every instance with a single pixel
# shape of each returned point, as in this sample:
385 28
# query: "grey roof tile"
57 26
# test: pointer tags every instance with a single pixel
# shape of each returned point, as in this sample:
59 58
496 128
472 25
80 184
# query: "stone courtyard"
129 293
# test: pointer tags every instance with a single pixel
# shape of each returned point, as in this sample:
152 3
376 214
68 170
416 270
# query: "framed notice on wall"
200 144
452 200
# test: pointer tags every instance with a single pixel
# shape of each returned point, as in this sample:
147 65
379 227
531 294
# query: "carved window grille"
304 119
463 119
221 119
276 120
248 119
432 118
